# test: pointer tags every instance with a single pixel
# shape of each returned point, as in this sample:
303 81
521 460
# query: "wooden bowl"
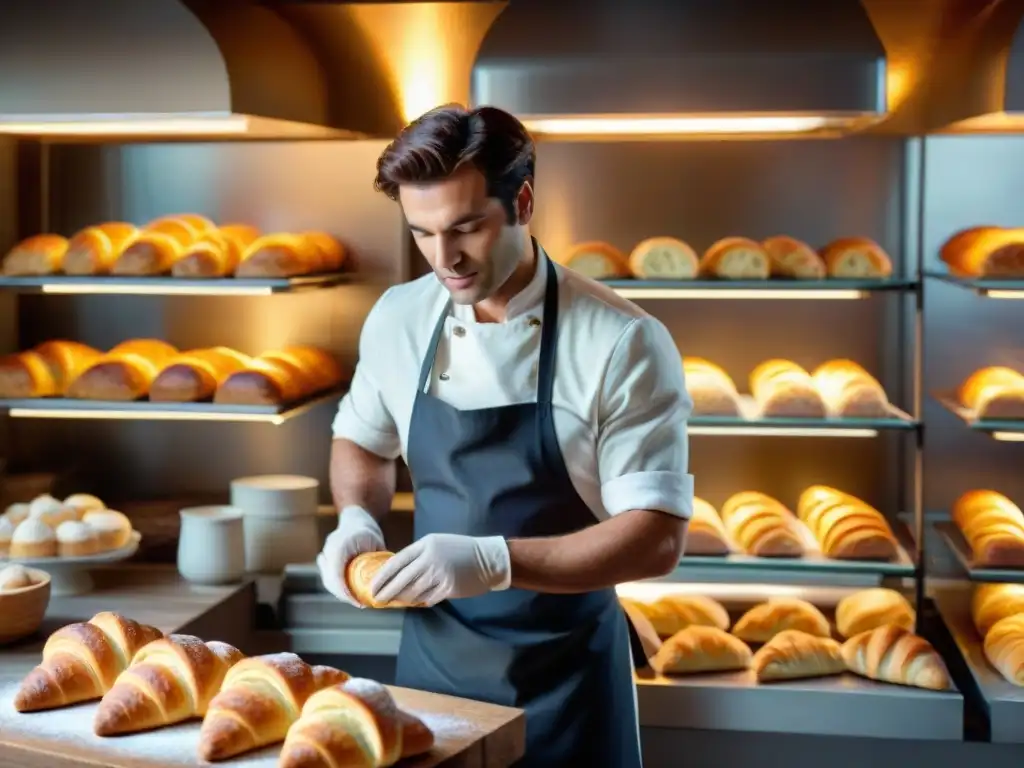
22 610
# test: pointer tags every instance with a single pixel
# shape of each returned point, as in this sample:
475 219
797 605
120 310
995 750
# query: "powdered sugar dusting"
373 693
448 727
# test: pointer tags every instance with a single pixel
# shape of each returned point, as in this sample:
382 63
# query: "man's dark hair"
439 142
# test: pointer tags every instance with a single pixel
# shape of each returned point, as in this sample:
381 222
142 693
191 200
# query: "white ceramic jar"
280 520
211 545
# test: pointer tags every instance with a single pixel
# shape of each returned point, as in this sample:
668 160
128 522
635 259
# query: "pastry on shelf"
846 528
45 370
701 649
891 654
217 253
671 613
93 250
781 388
194 376
736 258
1004 648
873 607
856 257
712 390
792 655
993 527
124 373
81 661
35 256
32 538
596 260
763 622
849 391
979 252
282 376
663 258
705 534
156 246
991 603
995 392
762 526
286 254
793 259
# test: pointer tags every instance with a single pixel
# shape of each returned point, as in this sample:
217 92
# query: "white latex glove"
444 565
357 532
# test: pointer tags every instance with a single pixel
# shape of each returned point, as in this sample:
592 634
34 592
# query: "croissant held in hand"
82 661
258 701
169 681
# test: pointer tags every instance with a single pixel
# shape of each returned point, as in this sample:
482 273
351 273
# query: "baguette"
282 376
846 528
782 388
36 255
663 258
993 527
792 654
217 253
1004 648
849 391
793 259
286 254
892 654
761 526
872 608
856 257
672 613
712 390
701 649
94 250
124 373
46 370
986 251
596 260
991 603
705 535
195 376
736 258
996 392
762 622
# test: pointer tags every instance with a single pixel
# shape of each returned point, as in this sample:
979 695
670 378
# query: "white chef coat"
620 402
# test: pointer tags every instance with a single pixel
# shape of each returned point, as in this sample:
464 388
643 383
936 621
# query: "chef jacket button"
443 377
459 330
534 322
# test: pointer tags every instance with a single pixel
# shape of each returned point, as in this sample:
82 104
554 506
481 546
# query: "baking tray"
776 288
948 401
170 286
981 286
800 427
962 551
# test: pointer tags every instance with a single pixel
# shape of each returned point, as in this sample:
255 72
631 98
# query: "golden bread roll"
701 649
991 603
995 392
216 253
195 375
113 529
329 249
359 574
993 527
979 252
792 654
1004 648
892 654
705 534
596 260
762 622
44 371
793 259
671 613
282 376
712 390
663 258
845 527
124 373
93 250
856 257
782 388
148 253
761 526
285 254
871 608
36 255
736 258
183 228
849 391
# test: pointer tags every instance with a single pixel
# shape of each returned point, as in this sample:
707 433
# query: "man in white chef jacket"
543 419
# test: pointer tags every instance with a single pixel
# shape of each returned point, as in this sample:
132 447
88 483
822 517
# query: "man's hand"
357 532
444 565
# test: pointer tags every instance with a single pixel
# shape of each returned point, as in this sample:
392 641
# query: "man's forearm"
360 478
638 544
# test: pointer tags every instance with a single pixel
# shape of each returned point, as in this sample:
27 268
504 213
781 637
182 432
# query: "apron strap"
548 335
428 359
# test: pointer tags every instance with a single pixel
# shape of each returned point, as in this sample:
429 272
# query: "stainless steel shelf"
751 424
170 286
1003 701
1008 430
756 289
986 287
962 551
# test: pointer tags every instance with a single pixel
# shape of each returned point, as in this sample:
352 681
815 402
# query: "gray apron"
565 659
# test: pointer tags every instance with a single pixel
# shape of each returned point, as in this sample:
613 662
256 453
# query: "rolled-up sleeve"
363 416
642 442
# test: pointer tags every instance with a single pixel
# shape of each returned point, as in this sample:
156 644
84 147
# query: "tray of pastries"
990 394
986 534
985 253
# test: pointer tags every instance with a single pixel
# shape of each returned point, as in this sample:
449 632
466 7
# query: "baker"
543 420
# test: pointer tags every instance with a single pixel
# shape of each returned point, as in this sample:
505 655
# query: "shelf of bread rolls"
778 267
65 538
185 254
152 380
986 535
986 622
988 260
838 398
760 657
990 400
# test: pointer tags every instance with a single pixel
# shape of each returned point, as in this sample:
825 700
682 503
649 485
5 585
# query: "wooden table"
468 734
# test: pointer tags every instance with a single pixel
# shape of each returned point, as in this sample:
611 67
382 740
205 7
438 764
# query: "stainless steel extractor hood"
592 67
158 68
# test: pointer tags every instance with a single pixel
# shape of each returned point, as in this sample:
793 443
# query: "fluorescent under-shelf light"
752 431
124 124
1009 437
129 415
1002 294
155 290
737 293
653 125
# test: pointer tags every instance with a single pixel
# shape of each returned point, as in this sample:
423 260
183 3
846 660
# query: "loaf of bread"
995 392
701 649
290 255
856 257
95 249
871 608
124 373
792 654
736 258
155 248
36 255
782 388
217 253
992 603
258 701
846 528
1004 648
663 258
993 527
194 376
762 622
672 613
282 376
761 526
705 535
986 251
892 654
712 390
82 661
596 260
45 370
849 391
793 259
169 681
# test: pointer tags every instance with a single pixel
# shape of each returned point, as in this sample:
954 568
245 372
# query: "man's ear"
524 203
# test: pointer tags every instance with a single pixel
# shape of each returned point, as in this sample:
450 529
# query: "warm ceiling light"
133 125
668 125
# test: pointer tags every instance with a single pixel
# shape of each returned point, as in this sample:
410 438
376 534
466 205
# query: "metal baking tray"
654 288
751 423
170 286
948 401
983 286
962 551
